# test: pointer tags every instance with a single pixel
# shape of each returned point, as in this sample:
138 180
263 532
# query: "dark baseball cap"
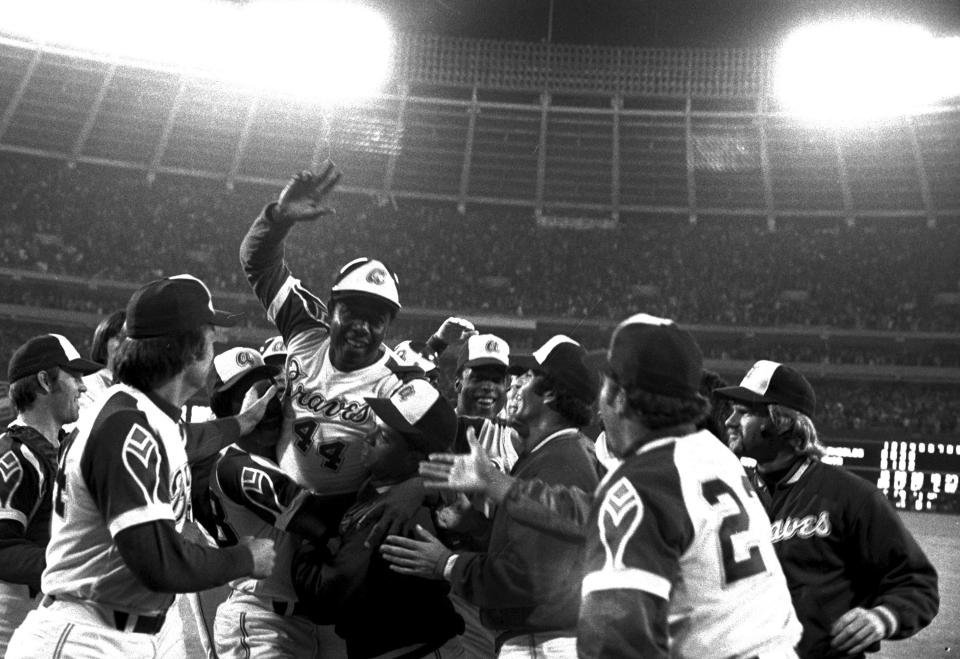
564 360
484 350
418 412
656 355
170 306
47 351
772 383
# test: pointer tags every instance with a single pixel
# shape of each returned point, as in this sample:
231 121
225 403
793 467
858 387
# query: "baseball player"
250 496
526 583
106 337
856 574
356 588
335 356
122 494
45 388
678 552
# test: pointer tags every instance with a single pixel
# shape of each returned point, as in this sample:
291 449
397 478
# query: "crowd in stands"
108 223
874 275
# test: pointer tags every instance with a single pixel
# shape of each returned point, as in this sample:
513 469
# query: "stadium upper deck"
578 132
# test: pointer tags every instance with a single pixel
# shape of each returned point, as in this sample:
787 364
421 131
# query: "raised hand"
455 331
303 198
474 472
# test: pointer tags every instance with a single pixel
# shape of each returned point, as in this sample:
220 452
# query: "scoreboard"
915 475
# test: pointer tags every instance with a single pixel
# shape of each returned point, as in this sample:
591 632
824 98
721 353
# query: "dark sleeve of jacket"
906 581
22 559
289 305
206 439
163 561
561 509
520 564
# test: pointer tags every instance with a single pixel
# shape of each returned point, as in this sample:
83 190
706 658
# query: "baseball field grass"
939 535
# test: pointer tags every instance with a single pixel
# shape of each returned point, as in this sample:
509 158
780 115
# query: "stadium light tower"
847 73
314 49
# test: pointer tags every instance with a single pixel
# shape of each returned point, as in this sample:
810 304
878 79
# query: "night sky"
652 23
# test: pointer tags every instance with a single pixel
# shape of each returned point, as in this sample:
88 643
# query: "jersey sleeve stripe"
280 298
631 579
15 515
142 515
32 459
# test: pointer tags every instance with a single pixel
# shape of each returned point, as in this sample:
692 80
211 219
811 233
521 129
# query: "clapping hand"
474 472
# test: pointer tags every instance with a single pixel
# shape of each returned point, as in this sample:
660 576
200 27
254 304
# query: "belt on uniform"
122 620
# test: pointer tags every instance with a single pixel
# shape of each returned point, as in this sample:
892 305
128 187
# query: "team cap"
170 306
236 364
564 360
483 350
656 355
47 351
418 412
369 278
274 351
413 352
773 383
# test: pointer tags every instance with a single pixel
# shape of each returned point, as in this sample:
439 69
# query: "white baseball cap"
237 364
367 277
484 349
410 352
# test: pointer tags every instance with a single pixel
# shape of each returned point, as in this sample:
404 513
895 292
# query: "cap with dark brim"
48 351
523 363
773 383
743 395
247 377
485 361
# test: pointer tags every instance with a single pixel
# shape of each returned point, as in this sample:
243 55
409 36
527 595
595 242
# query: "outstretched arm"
555 508
289 305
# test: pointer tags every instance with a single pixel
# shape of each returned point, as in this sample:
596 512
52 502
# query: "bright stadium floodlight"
309 49
846 73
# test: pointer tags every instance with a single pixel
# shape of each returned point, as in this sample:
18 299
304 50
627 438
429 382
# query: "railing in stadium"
575 157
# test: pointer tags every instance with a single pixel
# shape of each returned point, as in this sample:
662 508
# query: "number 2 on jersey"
733 523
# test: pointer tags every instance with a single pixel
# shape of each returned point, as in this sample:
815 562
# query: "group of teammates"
670 554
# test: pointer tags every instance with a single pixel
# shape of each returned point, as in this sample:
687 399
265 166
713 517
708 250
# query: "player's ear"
45 381
457 384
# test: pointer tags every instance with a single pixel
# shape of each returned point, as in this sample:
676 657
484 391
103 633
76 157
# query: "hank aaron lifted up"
335 352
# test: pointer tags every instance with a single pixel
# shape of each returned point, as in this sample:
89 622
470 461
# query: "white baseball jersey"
325 418
679 526
126 466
